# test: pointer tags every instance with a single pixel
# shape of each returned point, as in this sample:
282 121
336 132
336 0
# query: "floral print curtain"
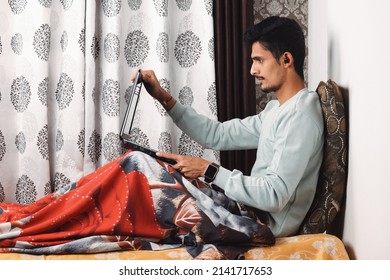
65 70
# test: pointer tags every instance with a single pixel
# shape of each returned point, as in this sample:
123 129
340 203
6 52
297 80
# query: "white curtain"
65 69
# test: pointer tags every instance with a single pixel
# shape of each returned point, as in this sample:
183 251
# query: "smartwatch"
211 172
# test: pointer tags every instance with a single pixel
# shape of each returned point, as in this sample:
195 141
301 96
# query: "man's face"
266 69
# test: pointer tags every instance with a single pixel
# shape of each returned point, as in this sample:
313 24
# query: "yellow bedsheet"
300 247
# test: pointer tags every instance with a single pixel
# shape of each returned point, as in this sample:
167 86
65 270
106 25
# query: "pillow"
333 172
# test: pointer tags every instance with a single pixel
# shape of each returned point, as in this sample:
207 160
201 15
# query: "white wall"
356 53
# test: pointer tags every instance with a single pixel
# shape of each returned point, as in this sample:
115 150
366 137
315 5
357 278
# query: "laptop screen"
132 106
128 120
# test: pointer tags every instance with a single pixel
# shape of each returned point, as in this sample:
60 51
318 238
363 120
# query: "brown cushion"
332 180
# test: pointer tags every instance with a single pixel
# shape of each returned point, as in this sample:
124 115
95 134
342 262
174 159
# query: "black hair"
279 35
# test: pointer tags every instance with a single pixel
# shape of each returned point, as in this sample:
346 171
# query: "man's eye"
259 59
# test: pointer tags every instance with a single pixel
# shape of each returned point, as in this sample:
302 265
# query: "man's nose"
253 70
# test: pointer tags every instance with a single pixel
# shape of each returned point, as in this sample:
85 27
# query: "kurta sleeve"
234 134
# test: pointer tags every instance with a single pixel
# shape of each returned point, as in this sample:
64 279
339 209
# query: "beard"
270 88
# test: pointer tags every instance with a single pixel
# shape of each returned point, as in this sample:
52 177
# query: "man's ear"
287 58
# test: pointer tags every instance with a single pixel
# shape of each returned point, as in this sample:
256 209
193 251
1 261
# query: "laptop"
128 120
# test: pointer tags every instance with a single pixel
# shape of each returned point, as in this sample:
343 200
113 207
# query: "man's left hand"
190 167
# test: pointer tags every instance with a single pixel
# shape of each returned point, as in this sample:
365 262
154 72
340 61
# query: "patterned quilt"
133 203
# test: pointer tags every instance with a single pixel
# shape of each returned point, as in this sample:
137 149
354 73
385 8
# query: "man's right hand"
154 88
152 85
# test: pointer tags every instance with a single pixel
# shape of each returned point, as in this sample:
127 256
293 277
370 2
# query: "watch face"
211 172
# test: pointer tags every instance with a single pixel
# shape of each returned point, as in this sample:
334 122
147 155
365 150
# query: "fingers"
179 164
189 167
151 84
133 75
145 74
167 155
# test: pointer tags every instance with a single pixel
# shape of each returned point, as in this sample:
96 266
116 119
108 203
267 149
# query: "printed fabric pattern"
132 203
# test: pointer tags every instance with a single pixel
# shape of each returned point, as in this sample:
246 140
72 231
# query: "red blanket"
132 203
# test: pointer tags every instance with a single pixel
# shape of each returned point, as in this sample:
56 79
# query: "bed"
300 247
311 242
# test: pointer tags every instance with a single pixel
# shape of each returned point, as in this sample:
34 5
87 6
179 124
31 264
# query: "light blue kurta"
289 143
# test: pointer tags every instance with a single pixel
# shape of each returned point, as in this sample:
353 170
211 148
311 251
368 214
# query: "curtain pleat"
234 85
65 70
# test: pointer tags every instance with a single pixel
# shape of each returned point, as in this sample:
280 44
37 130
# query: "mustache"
259 78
